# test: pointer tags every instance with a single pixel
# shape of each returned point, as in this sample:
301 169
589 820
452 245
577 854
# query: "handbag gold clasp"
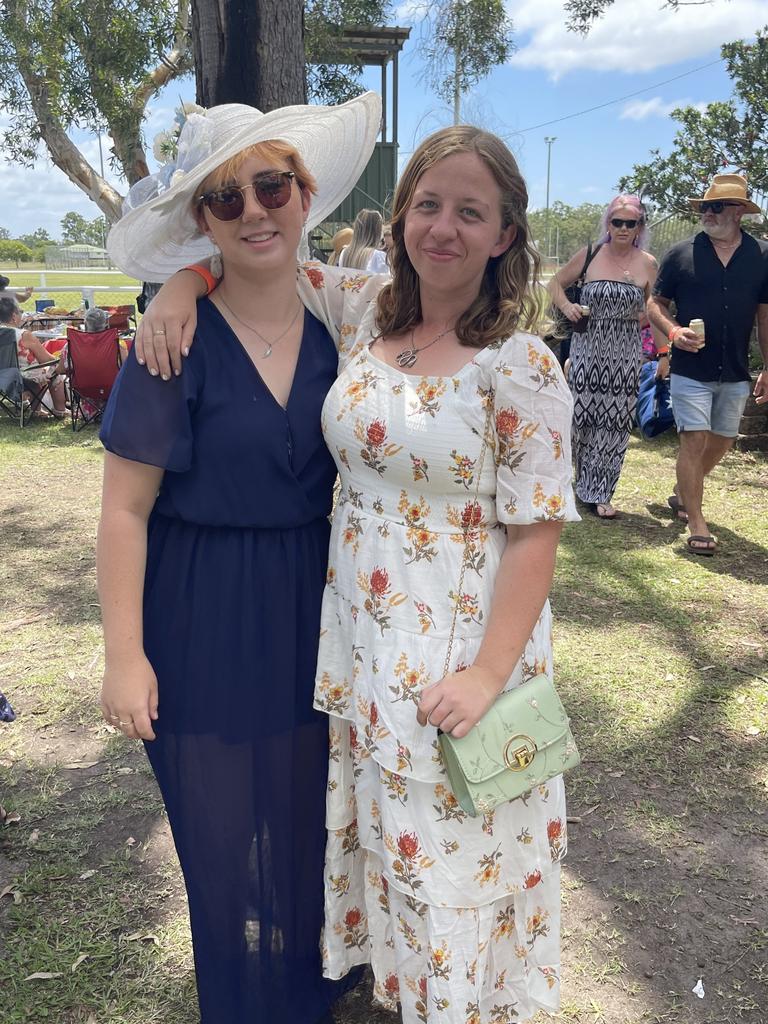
519 752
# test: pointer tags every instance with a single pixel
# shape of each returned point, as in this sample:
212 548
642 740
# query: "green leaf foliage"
465 40
12 249
726 136
582 14
78 229
333 71
93 58
570 228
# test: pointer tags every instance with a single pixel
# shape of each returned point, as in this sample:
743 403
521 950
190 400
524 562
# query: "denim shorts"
708 404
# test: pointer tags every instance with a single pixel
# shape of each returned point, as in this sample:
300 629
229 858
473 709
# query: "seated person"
31 351
96 320
20 294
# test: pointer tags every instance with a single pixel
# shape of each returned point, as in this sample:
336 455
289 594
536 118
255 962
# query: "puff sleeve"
148 419
531 430
340 299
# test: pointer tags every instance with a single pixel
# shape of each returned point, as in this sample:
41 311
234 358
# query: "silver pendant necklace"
269 345
622 267
407 358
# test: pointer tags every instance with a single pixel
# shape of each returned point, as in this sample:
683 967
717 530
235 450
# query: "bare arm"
36 347
460 700
563 279
129 689
761 385
659 339
660 317
167 328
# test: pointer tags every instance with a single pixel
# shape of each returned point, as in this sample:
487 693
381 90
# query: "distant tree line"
30 247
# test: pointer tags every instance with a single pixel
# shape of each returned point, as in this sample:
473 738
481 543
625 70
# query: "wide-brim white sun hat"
158 234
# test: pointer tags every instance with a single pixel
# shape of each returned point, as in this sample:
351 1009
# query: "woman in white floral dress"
458 916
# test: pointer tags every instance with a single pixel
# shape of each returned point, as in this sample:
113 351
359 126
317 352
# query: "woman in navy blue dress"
213 547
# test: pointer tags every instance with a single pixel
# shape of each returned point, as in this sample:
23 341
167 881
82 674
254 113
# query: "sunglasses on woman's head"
272 190
715 206
617 222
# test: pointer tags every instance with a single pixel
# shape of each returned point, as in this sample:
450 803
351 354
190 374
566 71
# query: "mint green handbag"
521 742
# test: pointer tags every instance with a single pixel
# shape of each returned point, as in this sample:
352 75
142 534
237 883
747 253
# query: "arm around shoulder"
167 329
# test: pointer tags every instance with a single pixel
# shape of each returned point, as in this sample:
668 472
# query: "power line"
619 99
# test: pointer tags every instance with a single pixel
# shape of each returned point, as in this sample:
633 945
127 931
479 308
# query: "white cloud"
639 110
633 36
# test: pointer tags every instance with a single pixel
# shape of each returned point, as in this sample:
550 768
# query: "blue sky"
554 73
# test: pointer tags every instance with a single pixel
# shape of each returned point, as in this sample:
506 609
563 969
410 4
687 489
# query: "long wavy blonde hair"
366 236
507 300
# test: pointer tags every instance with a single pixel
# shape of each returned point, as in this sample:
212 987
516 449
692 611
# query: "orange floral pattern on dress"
406 504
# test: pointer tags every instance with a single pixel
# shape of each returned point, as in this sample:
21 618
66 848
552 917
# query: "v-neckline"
252 364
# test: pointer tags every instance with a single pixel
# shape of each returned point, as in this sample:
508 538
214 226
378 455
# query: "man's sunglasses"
272 190
617 222
715 206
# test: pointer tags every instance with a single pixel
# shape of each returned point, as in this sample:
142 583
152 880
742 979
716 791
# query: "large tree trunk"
249 51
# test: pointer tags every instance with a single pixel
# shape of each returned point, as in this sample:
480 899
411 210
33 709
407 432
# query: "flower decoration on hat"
165 147
176 149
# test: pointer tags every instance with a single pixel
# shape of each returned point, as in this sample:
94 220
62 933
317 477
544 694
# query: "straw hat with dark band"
158 234
729 188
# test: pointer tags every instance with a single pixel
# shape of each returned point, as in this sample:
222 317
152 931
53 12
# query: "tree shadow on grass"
737 556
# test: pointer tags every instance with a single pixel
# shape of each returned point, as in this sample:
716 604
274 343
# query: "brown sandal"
677 508
700 539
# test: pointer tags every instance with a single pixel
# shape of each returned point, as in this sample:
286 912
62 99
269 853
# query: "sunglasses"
714 206
272 191
617 222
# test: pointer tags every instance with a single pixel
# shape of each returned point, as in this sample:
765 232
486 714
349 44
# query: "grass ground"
661 660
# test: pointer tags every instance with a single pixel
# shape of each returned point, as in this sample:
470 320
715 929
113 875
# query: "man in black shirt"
719 276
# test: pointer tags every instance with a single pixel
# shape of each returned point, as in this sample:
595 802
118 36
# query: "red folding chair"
120 316
94 361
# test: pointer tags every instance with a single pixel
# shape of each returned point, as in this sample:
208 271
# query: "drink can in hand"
697 326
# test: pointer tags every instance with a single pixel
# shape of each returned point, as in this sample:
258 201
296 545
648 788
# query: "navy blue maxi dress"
236 562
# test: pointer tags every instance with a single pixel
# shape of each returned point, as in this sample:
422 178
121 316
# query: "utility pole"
548 140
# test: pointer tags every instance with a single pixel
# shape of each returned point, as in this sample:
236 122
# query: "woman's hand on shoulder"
458 702
167 329
129 696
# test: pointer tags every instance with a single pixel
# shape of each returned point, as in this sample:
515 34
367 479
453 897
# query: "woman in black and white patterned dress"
605 360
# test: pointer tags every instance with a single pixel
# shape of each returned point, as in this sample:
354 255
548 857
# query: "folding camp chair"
13 384
94 360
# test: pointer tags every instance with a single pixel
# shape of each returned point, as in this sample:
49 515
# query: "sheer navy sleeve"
148 419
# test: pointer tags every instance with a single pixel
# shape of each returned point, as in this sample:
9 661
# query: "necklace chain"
269 344
409 356
623 267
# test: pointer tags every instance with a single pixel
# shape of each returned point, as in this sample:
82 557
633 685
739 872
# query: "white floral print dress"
458 916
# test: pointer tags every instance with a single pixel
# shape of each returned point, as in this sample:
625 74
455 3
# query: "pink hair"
632 202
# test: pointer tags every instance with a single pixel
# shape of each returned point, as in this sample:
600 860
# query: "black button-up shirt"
725 298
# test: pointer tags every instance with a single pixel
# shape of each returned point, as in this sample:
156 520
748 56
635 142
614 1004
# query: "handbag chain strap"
468 535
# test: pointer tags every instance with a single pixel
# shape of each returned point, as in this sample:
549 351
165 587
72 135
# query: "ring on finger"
158 332
125 725
114 718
